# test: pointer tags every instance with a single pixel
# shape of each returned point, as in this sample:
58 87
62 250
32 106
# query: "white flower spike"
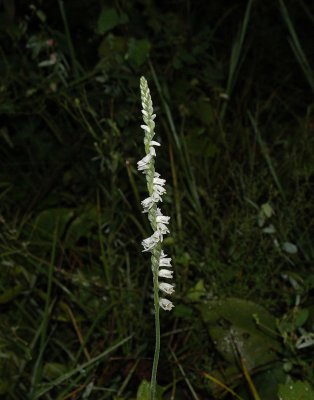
156 188
159 222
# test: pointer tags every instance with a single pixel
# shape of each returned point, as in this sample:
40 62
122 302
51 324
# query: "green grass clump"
234 85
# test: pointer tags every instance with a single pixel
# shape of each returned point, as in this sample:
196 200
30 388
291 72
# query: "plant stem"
153 384
69 39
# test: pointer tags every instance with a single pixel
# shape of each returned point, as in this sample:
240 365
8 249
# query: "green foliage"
295 391
236 334
143 392
109 19
233 90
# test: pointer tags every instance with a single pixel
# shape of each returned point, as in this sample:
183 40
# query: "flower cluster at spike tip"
156 187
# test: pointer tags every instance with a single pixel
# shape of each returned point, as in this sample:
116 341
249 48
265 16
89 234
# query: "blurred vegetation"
232 84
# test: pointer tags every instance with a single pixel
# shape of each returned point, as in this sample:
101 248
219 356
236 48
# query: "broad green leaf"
298 390
199 145
47 220
204 111
270 229
301 317
197 292
219 379
4 386
241 328
138 51
109 19
10 294
112 47
267 210
81 225
266 382
143 392
53 370
289 248
183 311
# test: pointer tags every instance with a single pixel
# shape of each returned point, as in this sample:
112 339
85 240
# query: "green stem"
155 266
69 39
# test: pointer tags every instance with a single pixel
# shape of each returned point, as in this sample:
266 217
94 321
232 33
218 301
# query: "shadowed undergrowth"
233 90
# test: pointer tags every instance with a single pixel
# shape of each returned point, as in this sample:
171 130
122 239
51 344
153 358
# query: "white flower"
159 184
148 204
159 189
165 304
156 196
156 187
164 261
162 229
143 164
152 150
157 180
166 287
146 128
151 241
160 218
165 273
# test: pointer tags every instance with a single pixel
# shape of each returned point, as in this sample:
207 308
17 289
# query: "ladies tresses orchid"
158 221
156 187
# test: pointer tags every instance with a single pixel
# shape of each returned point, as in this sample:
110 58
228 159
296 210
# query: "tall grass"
76 296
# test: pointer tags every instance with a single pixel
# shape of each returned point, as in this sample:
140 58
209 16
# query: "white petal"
156 196
165 273
152 151
162 228
147 204
153 143
166 304
165 261
159 181
146 128
143 164
162 219
159 189
151 241
166 287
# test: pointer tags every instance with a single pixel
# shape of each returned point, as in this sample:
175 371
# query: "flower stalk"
159 222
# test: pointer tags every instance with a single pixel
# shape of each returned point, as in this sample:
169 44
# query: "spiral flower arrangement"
160 262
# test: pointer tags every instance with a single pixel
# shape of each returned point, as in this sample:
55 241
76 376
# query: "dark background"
232 85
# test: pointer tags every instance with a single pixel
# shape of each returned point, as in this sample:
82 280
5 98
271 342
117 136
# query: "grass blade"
296 46
236 55
68 375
